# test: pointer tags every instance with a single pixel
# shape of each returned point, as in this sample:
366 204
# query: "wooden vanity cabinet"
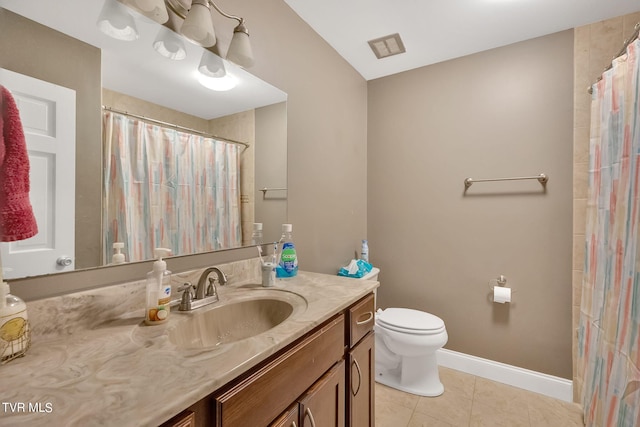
186 418
323 404
267 393
361 364
324 379
290 418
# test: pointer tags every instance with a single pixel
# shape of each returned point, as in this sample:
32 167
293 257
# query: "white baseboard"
556 387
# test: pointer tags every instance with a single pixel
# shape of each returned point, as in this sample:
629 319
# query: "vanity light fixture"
211 65
213 75
198 27
152 9
116 21
219 84
170 45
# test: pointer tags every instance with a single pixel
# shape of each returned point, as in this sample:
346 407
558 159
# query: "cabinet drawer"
270 390
361 319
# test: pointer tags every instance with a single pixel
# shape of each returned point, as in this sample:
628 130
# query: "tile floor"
473 401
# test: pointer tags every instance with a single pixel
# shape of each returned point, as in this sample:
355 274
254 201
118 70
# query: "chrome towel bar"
542 178
265 189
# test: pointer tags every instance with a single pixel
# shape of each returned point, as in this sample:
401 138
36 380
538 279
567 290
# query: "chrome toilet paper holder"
500 281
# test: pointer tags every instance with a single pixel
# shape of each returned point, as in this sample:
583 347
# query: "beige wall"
24 47
594 47
271 170
326 132
500 113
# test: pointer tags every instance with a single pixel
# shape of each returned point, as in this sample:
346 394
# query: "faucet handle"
211 288
187 296
186 286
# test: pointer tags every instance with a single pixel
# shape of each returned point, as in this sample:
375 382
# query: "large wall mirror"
58 43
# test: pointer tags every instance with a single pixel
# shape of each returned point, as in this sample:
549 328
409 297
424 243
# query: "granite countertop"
94 362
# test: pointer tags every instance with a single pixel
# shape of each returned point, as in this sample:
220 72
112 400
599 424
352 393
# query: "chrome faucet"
205 292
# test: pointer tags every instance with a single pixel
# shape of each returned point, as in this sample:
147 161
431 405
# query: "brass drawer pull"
367 320
307 412
355 362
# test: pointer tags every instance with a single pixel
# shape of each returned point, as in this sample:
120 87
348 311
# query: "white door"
48 115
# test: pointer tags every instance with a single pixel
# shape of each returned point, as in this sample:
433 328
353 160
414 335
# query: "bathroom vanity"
325 378
93 362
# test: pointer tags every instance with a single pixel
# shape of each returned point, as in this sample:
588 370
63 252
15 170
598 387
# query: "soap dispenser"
118 256
15 338
158 290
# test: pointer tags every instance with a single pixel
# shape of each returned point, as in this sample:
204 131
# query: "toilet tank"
372 275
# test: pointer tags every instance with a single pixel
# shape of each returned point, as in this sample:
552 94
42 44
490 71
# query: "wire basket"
15 343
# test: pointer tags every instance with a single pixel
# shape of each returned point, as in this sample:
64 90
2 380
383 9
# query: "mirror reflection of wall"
271 170
35 50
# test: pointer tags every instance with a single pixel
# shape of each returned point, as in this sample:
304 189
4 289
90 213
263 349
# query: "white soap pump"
118 256
158 290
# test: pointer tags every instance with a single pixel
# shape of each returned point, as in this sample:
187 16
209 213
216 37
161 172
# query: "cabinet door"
186 418
288 419
323 405
360 383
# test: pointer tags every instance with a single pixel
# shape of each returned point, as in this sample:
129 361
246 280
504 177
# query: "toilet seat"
409 321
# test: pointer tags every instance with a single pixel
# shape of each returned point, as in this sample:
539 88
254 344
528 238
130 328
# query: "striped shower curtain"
609 331
167 188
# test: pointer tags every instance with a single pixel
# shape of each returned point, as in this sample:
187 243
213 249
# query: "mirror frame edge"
40 287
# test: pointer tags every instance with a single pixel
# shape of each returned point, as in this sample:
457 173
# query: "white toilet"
406 344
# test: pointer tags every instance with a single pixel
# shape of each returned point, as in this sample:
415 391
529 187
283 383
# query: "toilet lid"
410 320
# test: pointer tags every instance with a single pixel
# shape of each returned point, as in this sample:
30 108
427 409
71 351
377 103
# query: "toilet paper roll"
501 295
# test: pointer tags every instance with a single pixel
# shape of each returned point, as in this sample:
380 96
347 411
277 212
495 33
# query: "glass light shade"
116 21
211 65
240 51
198 26
152 9
170 45
219 84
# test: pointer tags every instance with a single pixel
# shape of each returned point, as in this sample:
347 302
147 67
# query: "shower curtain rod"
626 43
177 127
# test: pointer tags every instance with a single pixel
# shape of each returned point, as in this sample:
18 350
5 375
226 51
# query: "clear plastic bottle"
288 264
364 252
256 236
158 290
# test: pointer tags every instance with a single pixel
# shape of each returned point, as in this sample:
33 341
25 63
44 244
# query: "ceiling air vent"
387 46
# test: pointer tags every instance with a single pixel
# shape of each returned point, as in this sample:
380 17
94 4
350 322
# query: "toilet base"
422 376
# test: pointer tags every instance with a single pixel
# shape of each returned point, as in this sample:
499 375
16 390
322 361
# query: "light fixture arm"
226 15
240 28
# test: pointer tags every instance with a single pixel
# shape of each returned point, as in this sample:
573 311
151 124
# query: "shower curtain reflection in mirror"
167 188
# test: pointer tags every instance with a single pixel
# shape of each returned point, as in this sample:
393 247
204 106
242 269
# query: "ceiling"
136 69
437 30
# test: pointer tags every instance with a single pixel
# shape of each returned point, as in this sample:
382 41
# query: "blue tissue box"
363 268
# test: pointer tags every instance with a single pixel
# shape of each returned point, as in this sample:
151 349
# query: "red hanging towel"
17 221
